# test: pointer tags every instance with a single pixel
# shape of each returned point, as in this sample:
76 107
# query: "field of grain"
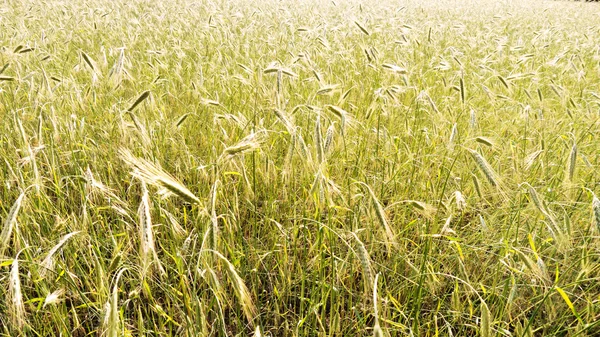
299 168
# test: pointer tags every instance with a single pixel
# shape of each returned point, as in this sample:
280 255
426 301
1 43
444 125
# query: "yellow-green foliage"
299 168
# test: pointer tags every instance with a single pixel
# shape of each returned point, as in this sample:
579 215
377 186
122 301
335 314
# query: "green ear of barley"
328 139
395 68
54 297
10 222
344 96
288 72
148 253
552 224
555 90
596 209
4 68
239 287
537 201
472 119
345 116
430 101
271 69
485 168
111 309
421 207
140 128
286 120
460 201
453 135
365 261
380 214
139 100
247 144
362 28
484 141
377 331
463 93
533 267
16 305
48 262
486 321
213 215
154 175
89 61
319 140
572 163
530 160
182 119
327 89
503 81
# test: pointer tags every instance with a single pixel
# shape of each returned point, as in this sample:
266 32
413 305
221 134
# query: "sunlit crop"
299 168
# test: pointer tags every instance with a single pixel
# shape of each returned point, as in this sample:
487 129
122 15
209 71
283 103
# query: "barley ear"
377 331
241 291
380 214
10 222
111 314
16 305
48 262
148 253
486 321
154 175
570 172
365 261
485 168
596 209
139 100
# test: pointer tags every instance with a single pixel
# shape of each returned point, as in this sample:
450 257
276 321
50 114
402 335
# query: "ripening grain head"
154 175
10 223
16 306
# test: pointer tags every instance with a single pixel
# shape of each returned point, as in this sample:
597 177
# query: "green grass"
312 168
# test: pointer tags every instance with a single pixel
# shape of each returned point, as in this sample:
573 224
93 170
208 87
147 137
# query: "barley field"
299 168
